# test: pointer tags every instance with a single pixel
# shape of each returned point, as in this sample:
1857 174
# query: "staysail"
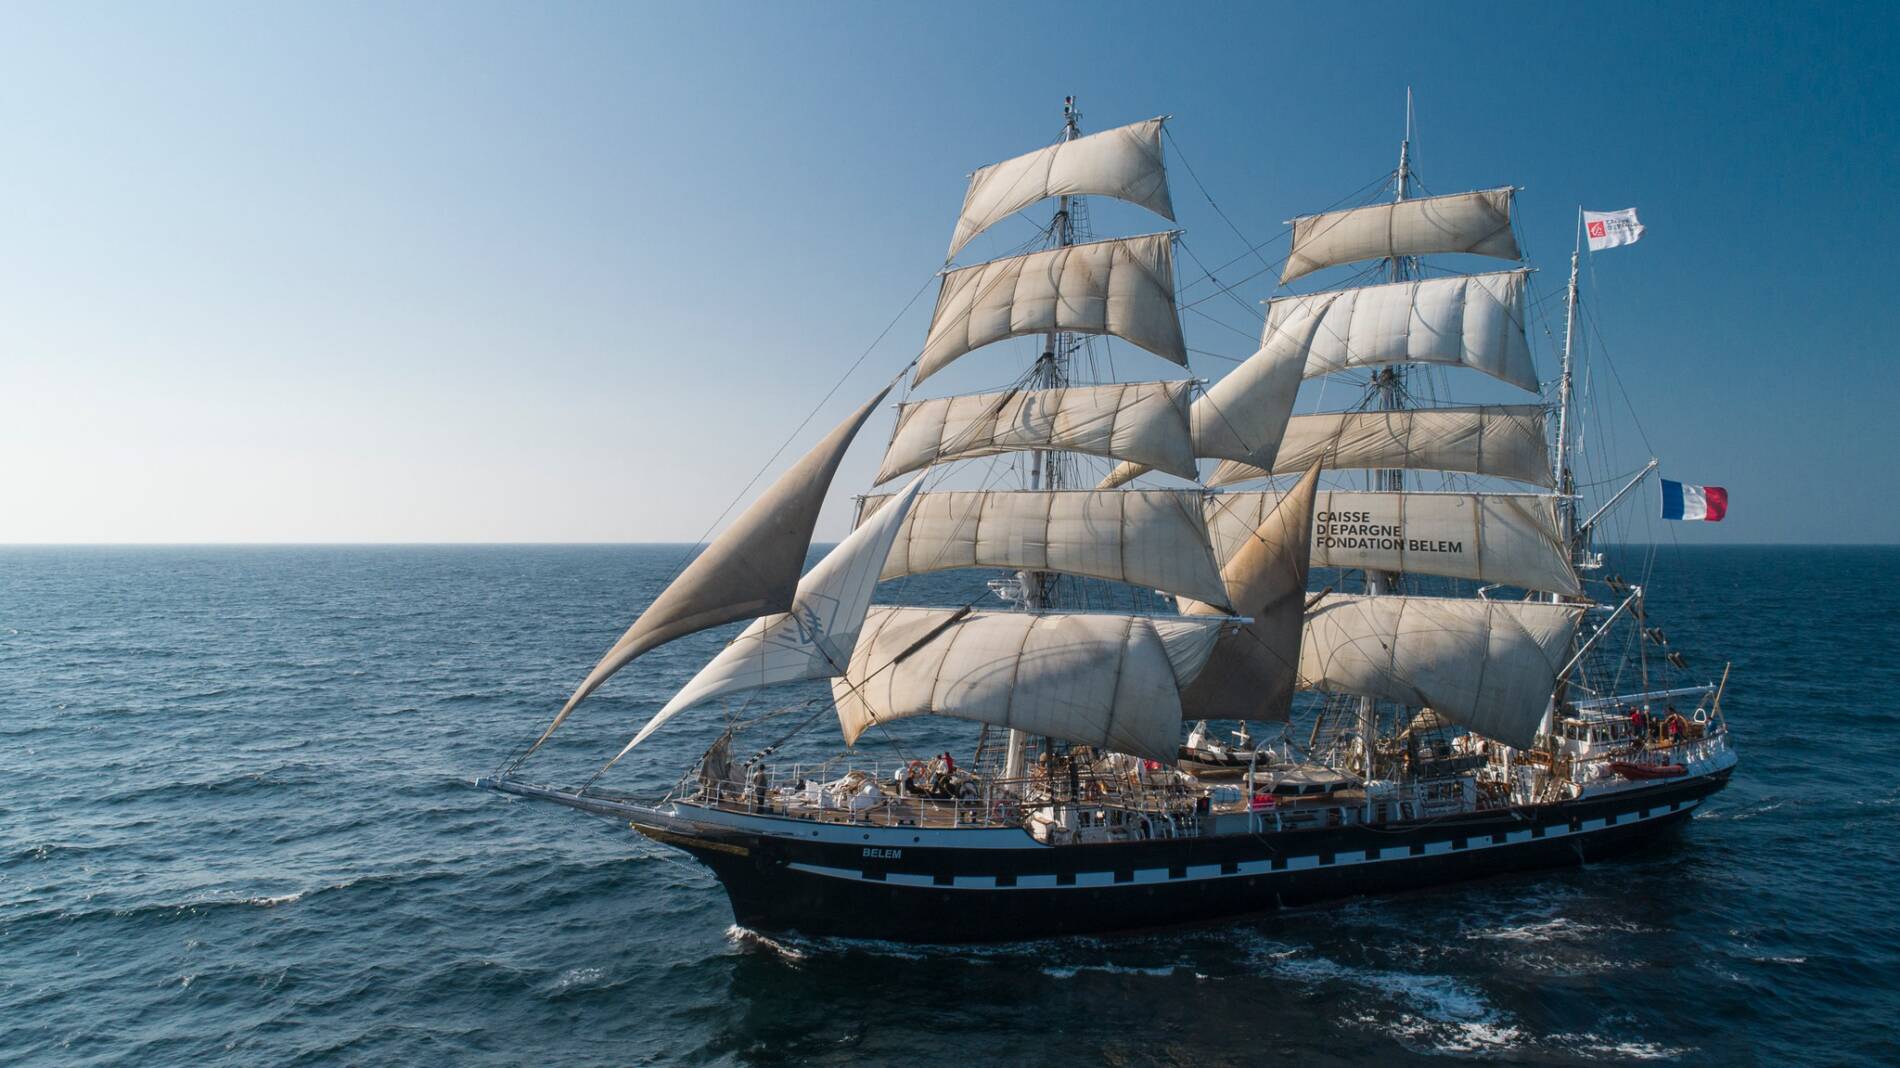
749 570
1507 538
1124 163
1243 416
1144 421
1151 538
1502 440
815 638
1123 287
1478 223
1485 665
1252 671
1112 681
1474 321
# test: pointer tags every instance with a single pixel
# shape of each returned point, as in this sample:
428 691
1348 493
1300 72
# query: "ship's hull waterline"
984 885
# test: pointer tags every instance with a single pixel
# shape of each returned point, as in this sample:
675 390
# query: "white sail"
1475 321
1151 538
1243 416
1501 440
1123 287
749 570
1486 665
1111 681
812 641
1124 163
1478 223
1511 539
1144 421
1252 672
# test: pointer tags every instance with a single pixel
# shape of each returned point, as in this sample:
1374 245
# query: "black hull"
971 893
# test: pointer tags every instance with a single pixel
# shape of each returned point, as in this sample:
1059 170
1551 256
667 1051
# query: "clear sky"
482 272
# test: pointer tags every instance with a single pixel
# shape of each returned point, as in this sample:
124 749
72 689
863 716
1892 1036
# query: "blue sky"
464 272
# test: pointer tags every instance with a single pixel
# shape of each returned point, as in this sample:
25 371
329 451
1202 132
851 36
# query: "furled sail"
1111 681
1252 671
1475 321
1243 416
1502 440
1124 163
1478 223
1144 421
749 570
1123 287
1511 539
815 638
1152 538
1486 665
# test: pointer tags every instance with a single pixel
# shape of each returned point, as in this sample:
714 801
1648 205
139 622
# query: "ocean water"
236 827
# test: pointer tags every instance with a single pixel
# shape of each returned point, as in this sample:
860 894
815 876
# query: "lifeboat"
1648 771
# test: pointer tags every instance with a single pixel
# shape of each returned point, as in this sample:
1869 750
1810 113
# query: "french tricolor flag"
1681 501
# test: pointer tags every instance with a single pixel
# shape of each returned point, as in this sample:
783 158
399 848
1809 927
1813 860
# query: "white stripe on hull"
1200 872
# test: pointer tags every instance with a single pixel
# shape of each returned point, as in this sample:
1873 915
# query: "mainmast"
1389 382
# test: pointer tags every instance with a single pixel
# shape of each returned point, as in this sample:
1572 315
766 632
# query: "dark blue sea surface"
237 827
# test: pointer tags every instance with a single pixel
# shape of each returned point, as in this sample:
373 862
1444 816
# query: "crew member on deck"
759 780
1639 723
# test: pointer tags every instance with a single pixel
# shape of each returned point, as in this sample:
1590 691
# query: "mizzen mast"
1566 483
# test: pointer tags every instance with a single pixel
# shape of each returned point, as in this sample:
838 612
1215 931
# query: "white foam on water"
746 937
1552 930
1468 1038
1439 998
1620 1049
574 977
1431 1013
1759 810
1071 972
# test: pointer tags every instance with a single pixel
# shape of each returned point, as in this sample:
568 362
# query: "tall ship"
1227 657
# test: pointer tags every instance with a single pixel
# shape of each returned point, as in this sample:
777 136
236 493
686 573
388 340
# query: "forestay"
812 641
1478 223
1152 538
1252 671
1111 681
1123 287
749 570
1124 163
1510 539
1486 665
1475 321
1143 421
1501 440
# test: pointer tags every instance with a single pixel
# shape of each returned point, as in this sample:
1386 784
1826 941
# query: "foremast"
1045 472
1052 369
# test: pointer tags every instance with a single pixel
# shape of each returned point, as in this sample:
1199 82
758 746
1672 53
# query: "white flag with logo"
1608 229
